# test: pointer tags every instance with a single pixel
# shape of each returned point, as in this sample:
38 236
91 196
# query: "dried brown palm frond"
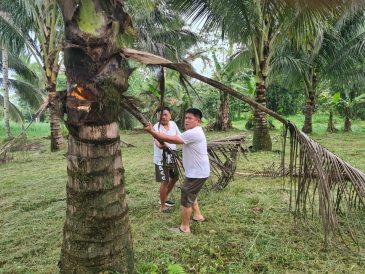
320 180
223 156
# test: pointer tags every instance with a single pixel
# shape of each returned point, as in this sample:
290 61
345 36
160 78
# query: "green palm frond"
161 30
15 28
15 113
18 64
240 59
27 92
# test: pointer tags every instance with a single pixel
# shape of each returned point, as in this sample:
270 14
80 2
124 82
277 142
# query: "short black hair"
196 112
164 108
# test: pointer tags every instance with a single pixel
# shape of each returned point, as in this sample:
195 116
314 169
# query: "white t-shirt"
195 154
157 152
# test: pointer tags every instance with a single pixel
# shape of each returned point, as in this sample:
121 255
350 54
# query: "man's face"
166 117
191 121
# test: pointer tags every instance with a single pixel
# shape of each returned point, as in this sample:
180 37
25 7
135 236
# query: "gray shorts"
165 173
190 190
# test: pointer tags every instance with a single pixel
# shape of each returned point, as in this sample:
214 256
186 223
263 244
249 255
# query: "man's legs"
185 215
189 202
171 185
163 194
197 214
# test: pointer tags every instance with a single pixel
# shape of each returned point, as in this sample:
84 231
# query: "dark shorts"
190 190
165 173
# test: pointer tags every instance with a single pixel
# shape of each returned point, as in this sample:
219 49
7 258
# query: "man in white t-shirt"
195 161
166 172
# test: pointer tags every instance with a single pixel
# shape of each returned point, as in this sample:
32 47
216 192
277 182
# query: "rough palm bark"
331 124
261 136
5 72
308 113
223 120
310 105
97 234
347 123
57 140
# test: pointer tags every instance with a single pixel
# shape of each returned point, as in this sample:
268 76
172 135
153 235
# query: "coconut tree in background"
37 27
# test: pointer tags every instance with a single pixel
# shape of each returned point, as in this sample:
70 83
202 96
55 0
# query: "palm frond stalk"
338 187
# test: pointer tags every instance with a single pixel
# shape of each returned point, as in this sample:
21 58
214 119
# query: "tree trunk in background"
97 234
309 106
223 120
261 136
57 141
308 114
347 124
5 72
331 125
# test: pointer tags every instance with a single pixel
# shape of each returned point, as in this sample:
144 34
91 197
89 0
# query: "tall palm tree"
37 25
97 234
259 27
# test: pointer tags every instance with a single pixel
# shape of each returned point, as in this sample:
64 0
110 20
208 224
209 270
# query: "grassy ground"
35 130
237 237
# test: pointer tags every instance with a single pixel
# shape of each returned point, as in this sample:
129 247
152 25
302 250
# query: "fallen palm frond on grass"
223 156
320 179
324 181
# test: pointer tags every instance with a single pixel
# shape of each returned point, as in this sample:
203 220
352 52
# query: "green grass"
235 238
319 123
36 130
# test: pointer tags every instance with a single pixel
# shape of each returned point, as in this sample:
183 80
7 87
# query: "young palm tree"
97 234
37 26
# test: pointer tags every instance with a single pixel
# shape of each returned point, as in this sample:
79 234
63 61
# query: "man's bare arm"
172 139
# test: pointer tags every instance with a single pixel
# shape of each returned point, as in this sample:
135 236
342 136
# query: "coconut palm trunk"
97 234
57 140
310 102
331 124
5 72
347 123
261 136
308 113
223 120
